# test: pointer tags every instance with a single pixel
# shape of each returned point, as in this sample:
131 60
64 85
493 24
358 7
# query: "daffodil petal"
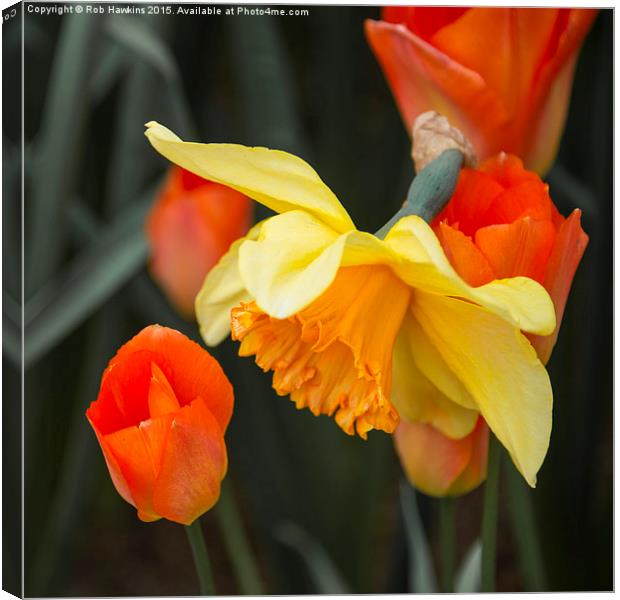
222 289
499 368
415 396
279 180
297 256
519 300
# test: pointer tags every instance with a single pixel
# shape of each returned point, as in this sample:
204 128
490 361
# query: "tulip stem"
201 558
447 531
489 516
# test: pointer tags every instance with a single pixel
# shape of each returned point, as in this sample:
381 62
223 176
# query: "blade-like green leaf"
422 577
145 42
99 271
468 576
112 64
324 573
59 146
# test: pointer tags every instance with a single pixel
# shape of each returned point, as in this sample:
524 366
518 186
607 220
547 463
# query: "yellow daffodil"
362 328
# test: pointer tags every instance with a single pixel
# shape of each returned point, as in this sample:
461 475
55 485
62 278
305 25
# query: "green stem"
525 532
201 558
447 530
489 516
430 190
237 546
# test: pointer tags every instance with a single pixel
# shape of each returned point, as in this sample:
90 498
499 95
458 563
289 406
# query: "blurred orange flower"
160 418
191 225
503 76
499 223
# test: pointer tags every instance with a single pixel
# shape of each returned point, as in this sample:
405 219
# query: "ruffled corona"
323 358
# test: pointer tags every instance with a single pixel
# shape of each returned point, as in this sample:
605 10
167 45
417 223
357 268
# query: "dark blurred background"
309 85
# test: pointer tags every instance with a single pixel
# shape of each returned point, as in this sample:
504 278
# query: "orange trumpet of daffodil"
323 306
503 76
191 225
160 418
500 222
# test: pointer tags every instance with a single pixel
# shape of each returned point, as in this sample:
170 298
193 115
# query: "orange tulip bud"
438 465
503 76
160 418
191 225
500 222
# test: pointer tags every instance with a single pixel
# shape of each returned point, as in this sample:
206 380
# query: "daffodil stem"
237 545
201 558
430 190
489 516
447 531
525 532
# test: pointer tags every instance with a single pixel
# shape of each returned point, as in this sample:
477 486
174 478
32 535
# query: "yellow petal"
274 178
416 397
519 300
297 256
499 368
222 289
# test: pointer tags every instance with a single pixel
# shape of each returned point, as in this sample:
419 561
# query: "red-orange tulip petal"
464 256
193 465
439 465
160 419
191 371
507 72
521 247
571 242
191 225
422 77
474 194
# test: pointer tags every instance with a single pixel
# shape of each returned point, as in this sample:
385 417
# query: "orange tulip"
160 418
503 76
499 223
191 225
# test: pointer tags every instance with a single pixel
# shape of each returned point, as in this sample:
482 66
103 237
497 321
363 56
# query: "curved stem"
447 530
489 516
201 558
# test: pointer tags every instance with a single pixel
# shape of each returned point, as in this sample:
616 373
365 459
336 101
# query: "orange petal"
193 465
121 485
191 225
503 45
422 77
463 255
570 244
132 453
521 248
123 396
189 368
474 194
162 399
476 470
548 102
438 465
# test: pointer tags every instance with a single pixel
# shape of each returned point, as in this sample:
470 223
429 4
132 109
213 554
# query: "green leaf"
92 277
325 575
525 531
59 146
422 577
145 42
111 65
468 576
